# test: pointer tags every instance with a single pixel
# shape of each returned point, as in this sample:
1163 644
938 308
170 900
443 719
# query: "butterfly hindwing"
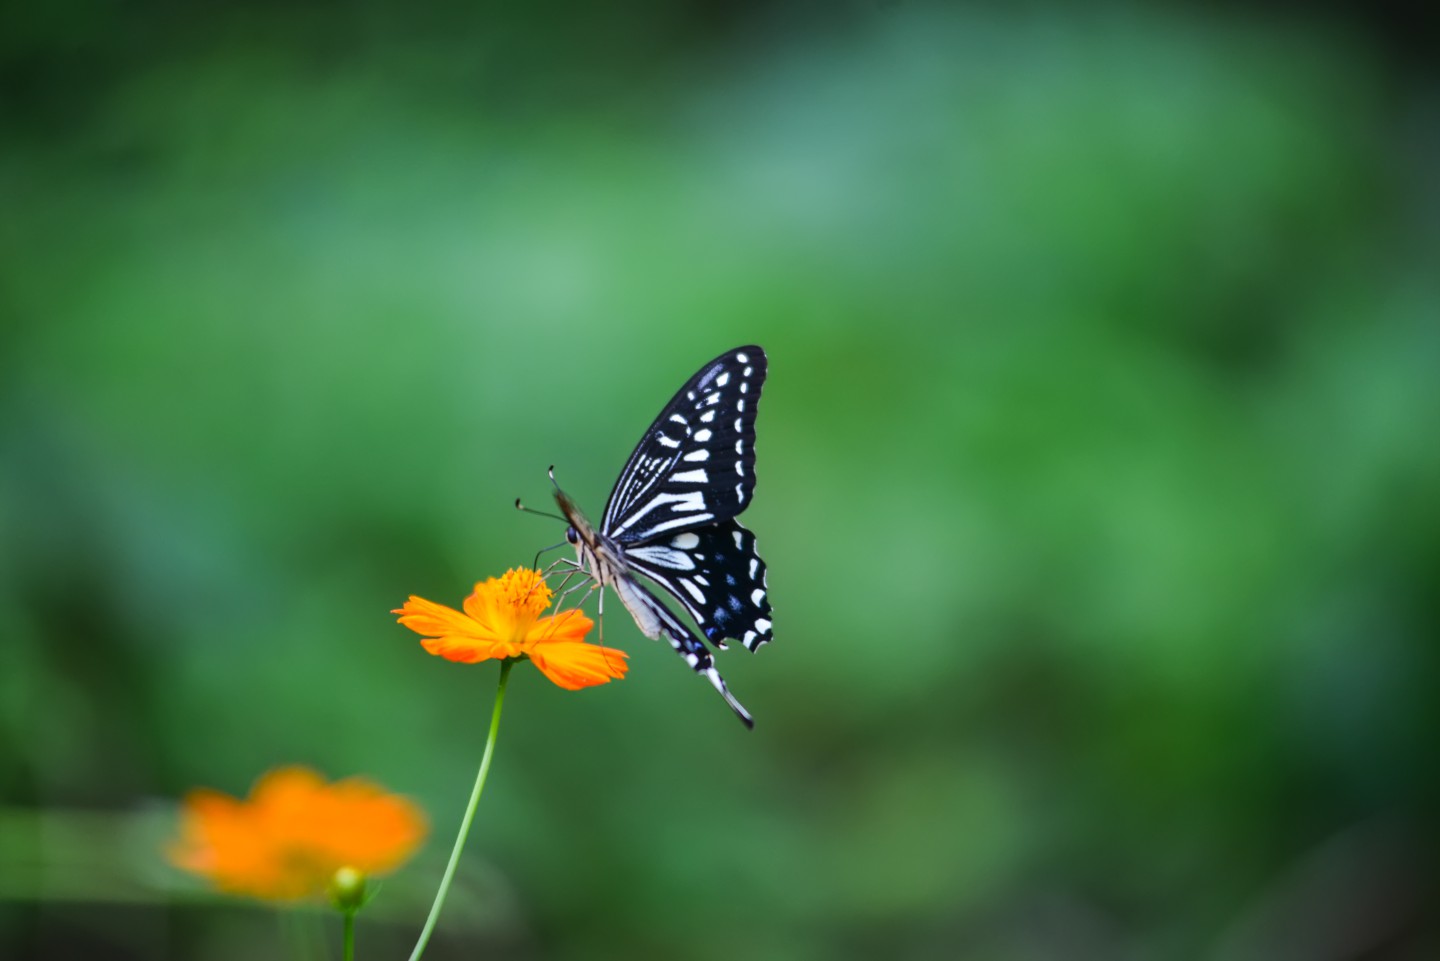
714 571
696 462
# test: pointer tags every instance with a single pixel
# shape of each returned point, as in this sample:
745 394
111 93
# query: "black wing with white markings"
716 572
696 463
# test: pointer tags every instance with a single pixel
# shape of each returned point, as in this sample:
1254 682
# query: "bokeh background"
1099 479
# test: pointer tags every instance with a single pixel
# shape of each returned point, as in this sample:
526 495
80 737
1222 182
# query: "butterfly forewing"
696 463
717 574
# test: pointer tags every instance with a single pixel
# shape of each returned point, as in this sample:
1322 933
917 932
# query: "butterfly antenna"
553 482
530 510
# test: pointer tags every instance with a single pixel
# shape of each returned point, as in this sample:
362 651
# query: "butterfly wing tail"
655 620
735 705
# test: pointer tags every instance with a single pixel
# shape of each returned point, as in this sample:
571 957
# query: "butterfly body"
671 517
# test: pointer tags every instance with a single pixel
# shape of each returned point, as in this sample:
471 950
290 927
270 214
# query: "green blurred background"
1098 469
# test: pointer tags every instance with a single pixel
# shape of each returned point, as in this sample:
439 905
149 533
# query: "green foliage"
1097 463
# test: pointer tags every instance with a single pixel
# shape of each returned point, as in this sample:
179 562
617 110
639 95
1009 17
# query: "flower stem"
505 666
349 936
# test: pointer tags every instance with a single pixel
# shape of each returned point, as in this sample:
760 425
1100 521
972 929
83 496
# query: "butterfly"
671 517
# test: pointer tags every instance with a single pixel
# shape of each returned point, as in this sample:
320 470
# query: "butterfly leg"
600 615
545 550
564 591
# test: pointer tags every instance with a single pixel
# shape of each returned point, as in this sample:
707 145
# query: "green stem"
349 936
505 666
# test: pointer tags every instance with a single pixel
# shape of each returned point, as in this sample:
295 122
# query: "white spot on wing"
662 556
692 590
691 477
685 520
743 358
677 418
756 596
754 563
723 379
740 404
666 441
748 370
739 493
697 455
703 434
712 399
689 541
739 539
744 387
690 505
763 625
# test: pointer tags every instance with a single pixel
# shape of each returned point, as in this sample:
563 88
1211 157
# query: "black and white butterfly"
671 517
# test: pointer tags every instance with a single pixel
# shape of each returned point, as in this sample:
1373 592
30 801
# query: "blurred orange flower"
502 619
292 835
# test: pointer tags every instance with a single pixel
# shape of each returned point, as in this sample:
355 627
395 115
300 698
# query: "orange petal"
435 620
573 665
453 635
368 828
228 842
572 625
295 831
484 606
211 825
468 650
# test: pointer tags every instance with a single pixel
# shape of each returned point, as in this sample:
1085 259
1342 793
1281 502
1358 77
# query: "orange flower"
502 619
294 833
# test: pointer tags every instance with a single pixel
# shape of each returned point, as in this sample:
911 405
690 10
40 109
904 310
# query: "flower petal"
469 650
292 835
355 823
436 620
572 625
573 665
215 836
453 635
483 606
